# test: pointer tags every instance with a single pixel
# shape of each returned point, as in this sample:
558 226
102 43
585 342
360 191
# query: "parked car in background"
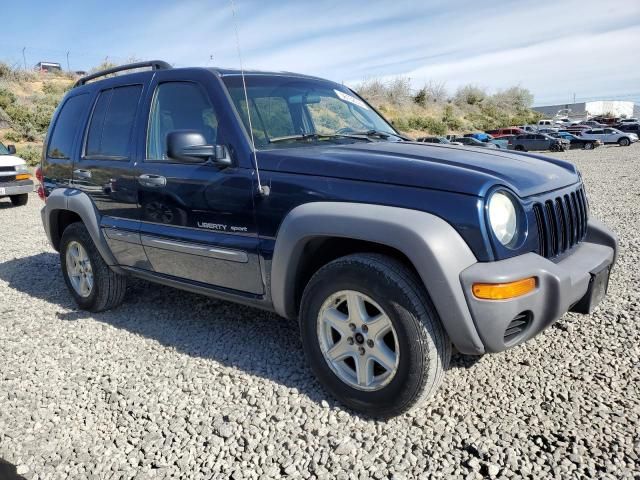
539 141
548 131
562 121
610 135
501 132
607 120
578 142
441 140
509 139
487 138
500 143
575 129
15 179
630 128
592 123
473 142
483 137
625 121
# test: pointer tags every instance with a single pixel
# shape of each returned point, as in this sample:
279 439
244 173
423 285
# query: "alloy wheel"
358 340
79 269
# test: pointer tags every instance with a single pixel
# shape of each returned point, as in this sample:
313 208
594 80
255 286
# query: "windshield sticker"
351 99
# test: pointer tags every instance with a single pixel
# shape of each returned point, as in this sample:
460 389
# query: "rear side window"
66 127
109 134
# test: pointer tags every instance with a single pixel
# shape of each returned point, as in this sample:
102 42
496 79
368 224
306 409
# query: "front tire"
519 148
624 142
372 336
93 285
588 146
19 200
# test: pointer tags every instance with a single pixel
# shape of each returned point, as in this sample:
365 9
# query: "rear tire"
93 285
588 146
19 200
415 339
519 148
624 142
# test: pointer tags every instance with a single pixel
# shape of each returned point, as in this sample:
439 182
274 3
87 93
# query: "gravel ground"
176 385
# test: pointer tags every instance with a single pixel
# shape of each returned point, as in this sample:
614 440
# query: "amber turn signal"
504 291
23 176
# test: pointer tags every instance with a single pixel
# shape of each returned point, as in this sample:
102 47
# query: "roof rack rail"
154 64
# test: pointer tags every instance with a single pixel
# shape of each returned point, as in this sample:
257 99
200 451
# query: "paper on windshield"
351 99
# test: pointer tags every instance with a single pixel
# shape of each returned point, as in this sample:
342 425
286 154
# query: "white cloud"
554 48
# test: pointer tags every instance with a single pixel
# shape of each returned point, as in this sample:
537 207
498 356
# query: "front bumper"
16 188
561 284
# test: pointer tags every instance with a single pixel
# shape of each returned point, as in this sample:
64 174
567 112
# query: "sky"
556 49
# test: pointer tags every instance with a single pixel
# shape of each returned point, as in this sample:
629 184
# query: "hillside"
28 99
432 110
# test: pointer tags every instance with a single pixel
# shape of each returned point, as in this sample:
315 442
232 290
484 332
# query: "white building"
616 108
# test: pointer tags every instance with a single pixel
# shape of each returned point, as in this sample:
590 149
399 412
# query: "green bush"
6 98
429 124
12 136
56 89
30 154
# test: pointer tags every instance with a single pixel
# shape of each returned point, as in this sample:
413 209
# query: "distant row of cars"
587 136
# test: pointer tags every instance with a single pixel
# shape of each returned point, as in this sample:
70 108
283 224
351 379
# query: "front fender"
435 249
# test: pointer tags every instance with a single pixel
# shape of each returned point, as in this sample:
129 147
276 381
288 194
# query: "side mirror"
190 146
12 149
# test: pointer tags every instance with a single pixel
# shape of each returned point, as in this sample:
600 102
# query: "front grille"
562 222
10 178
7 169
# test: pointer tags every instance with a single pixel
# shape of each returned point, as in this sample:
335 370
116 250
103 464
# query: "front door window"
179 106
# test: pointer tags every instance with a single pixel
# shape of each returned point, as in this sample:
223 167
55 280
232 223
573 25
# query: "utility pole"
68 67
24 58
574 97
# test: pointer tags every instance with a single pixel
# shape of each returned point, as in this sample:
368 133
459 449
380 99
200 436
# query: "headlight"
503 217
22 168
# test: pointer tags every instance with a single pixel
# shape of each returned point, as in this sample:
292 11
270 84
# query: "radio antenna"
262 189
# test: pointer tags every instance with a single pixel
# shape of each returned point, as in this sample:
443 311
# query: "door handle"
80 173
149 180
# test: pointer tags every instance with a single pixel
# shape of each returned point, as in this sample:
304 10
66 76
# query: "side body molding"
80 203
436 250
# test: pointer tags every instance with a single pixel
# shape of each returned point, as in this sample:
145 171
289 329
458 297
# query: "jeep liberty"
297 197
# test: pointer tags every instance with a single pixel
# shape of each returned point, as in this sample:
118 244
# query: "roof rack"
154 64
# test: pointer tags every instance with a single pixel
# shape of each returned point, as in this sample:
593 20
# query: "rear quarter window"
112 122
66 127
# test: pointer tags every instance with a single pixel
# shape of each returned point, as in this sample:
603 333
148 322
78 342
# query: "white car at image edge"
15 179
610 135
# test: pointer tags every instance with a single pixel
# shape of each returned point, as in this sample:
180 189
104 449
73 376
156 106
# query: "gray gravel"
176 385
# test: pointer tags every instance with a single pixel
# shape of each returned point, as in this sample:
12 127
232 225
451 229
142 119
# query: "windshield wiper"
371 133
312 136
377 133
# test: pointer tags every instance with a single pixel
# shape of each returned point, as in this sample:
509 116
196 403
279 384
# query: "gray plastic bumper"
560 285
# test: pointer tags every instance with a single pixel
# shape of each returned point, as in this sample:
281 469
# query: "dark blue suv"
294 195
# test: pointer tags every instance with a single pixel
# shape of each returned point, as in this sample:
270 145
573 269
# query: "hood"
466 170
10 161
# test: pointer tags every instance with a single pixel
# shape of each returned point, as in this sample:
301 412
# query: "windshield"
3 150
293 111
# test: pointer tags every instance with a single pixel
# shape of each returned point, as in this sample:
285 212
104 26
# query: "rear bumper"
16 188
560 286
